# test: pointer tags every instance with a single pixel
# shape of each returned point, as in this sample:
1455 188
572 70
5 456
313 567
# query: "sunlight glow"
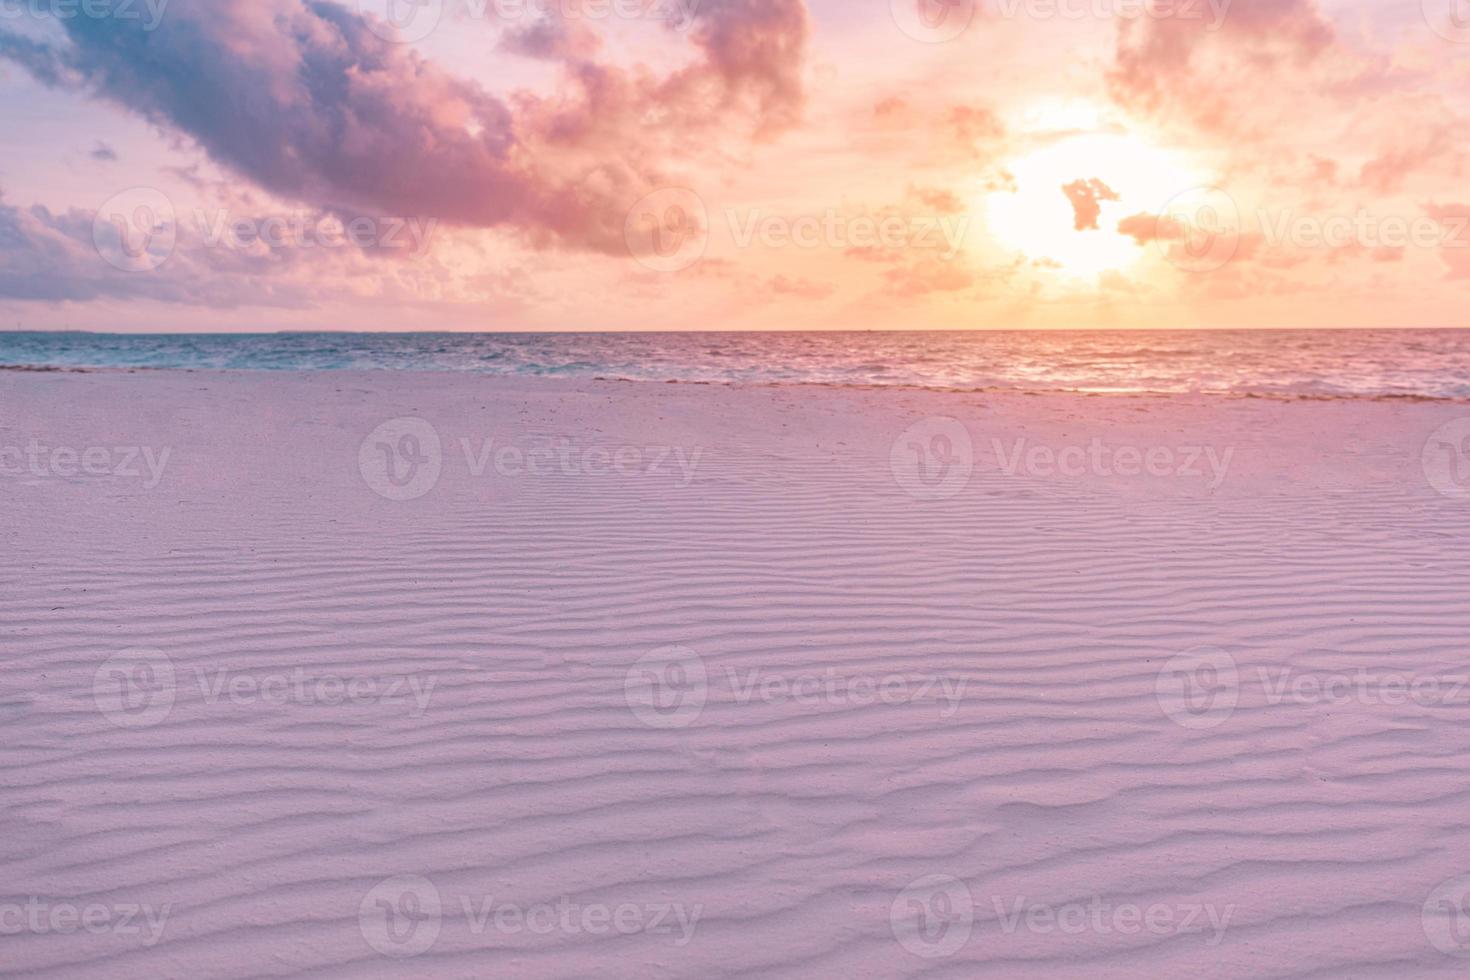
1038 220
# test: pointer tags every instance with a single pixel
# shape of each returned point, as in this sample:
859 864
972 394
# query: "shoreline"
823 385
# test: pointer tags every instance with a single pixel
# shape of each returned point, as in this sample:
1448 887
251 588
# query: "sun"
1116 173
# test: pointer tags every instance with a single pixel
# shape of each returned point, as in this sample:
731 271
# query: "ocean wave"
1295 363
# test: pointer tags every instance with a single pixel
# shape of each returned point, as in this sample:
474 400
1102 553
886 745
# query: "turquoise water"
1426 363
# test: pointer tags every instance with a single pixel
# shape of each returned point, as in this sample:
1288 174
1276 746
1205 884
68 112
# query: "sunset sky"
732 164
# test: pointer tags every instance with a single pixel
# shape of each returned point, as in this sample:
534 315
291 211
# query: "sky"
242 165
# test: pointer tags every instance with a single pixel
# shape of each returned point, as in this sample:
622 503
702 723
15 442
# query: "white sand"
980 679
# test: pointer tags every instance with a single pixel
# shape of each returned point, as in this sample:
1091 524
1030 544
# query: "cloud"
801 288
892 108
51 257
973 127
1455 251
1187 244
552 39
304 99
104 153
938 199
1145 228
874 253
38 255
201 259
1198 64
1387 171
929 275
1087 197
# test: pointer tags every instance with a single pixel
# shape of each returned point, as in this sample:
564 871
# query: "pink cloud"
1189 63
801 288
302 98
929 275
1145 228
1455 252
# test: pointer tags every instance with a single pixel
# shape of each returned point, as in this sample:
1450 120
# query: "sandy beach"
396 674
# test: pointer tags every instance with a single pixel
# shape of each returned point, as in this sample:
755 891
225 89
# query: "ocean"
1336 363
